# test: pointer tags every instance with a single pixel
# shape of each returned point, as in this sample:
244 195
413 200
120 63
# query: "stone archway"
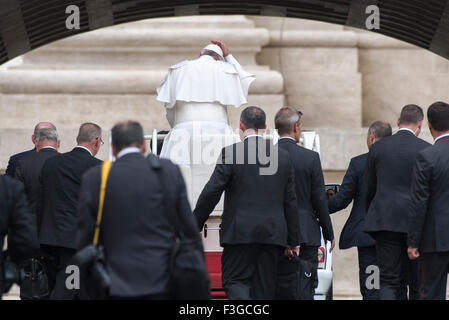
29 24
111 73
76 79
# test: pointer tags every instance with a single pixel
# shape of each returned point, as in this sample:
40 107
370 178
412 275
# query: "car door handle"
208 228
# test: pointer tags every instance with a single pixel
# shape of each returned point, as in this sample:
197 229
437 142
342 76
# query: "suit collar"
444 137
48 150
85 149
253 136
130 156
405 131
286 140
127 150
81 150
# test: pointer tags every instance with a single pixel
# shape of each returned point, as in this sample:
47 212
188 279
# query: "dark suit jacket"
388 179
28 170
352 234
61 181
137 235
429 209
258 208
310 193
12 163
16 221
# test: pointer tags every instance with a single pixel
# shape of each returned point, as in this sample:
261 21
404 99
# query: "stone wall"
112 74
341 78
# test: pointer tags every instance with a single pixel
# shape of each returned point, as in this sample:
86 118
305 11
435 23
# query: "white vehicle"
197 175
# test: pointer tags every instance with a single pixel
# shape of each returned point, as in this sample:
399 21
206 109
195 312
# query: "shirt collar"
287 138
253 135
446 135
128 151
83 147
49 147
407 129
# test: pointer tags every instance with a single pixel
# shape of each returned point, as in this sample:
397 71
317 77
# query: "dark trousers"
310 254
396 270
367 257
434 270
249 271
62 256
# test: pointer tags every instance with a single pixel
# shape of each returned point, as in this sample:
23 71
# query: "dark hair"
411 114
380 129
253 118
438 116
285 120
88 132
127 134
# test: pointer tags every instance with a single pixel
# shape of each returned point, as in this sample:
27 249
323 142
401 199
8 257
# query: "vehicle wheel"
330 293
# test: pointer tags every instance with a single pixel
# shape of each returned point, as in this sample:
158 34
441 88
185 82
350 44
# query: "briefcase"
34 284
294 279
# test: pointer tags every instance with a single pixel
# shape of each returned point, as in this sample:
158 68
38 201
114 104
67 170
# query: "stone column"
112 74
320 66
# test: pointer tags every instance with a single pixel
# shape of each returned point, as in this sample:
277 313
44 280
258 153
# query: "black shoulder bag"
91 259
189 279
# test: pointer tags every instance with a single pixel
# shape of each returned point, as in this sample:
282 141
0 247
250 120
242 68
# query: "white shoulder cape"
206 80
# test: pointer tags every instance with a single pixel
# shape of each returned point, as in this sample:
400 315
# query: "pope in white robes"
196 94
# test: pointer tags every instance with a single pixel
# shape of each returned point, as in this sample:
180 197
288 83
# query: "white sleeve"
242 73
246 78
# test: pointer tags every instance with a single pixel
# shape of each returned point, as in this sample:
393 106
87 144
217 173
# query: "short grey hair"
380 129
285 119
88 133
41 126
46 134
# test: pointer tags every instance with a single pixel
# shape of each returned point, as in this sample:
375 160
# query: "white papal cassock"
196 94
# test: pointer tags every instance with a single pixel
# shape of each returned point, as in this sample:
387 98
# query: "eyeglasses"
101 141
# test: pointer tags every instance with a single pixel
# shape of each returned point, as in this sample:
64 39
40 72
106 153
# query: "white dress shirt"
49 147
446 135
407 129
128 150
253 135
287 138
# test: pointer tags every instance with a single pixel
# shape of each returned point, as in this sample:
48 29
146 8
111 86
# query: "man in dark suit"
428 236
352 234
61 180
387 182
260 216
13 160
310 192
17 223
28 168
137 235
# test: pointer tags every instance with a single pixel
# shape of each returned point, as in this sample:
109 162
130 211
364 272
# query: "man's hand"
290 250
413 253
332 245
223 47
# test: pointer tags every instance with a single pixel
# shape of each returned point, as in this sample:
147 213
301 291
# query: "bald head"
41 126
